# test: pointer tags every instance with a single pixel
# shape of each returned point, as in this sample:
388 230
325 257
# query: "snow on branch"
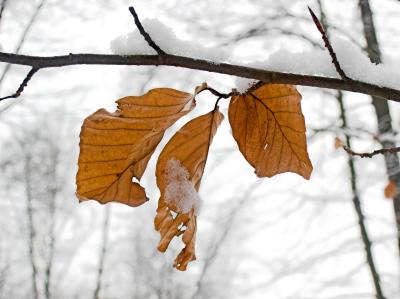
373 84
161 39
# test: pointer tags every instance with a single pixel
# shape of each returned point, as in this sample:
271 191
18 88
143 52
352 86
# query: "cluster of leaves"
266 121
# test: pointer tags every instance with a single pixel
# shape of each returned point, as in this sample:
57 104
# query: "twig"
3 6
219 94
143 32
24 83
21 42
371 154
216 104
24 35
328 45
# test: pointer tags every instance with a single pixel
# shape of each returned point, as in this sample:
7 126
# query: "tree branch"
21 42
265 76
22 86
328 45
143 32
381 151
40 62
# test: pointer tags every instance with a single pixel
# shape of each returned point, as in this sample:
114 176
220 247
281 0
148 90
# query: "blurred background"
331 237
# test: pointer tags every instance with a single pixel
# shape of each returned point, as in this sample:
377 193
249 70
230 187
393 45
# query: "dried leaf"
115 147
189 149
268 125
391 190
338 143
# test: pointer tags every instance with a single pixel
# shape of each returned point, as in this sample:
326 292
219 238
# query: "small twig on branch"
219 94
22 86
143 32
328 45
3 6
371 154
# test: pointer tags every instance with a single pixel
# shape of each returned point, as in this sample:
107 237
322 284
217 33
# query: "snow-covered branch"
39 62
163 57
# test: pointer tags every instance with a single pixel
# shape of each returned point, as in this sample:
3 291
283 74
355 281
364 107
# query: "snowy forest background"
257 238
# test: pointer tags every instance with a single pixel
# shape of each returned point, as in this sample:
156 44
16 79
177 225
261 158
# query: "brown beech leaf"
179 171
115 147
268 125
338 143
390 190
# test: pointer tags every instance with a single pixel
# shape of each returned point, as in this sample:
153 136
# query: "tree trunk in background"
50 258
31 229
103 252
353 183
53 192
358 208
382 108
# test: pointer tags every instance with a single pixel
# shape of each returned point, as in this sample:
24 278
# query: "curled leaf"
338 143
268 125
390 190
116 147
179 171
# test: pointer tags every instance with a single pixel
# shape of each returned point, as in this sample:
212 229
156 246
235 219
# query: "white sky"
285 222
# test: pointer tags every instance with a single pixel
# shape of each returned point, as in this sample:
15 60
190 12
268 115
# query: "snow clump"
133 43
354 62
180 190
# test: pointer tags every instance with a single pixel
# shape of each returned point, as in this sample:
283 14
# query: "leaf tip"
338 143
390 190
200 88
